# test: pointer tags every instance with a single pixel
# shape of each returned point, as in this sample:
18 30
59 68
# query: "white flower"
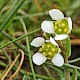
61 27
49 49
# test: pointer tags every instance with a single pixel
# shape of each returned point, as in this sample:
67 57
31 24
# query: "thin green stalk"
16 43
67 73
28 47
7 56
11 15
4 71
72 66
9 9
24 72
19 38
46 69
57 69
65 65
2 17
31 15
68 68
75 60
2 4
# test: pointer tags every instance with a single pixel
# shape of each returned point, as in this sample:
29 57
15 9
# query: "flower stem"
67 73
28 47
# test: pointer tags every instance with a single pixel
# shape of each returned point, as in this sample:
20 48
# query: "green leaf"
68 47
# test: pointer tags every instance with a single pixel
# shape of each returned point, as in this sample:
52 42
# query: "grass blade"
28 47
11 15
19 38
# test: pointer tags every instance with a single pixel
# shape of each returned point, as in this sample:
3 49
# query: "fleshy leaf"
68 47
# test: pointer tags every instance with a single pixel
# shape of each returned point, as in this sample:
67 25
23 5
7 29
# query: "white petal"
58 60
53 41
47 26
70 23
47 40
60 37
39 58
56 14
39 41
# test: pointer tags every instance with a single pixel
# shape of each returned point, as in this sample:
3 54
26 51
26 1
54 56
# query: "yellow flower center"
61 27
49 50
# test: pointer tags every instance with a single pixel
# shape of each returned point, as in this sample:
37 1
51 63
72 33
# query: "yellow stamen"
55 27
63 24
40 49
48 46
44 53
56 23
59 30
46 49
65 30
53 49
50 53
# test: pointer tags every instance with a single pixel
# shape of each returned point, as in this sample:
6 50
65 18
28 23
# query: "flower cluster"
49 49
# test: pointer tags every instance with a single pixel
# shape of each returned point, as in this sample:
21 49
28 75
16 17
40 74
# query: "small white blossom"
49 49
61 27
